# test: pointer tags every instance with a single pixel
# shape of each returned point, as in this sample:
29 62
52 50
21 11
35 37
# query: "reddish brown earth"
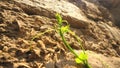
17 49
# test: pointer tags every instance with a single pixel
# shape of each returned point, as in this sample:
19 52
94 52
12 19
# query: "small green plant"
82 58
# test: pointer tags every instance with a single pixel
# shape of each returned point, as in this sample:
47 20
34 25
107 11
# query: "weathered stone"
93 20
113 6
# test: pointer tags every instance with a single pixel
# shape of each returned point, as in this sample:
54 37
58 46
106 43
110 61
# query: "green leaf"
59 18
82 57
65 29
77 60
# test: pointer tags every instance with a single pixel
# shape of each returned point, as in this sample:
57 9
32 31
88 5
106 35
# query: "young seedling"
82 58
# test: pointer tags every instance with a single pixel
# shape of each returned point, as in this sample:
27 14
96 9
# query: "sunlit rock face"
79 13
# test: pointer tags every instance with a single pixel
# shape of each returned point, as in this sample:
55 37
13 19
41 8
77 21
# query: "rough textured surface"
21 20
113 6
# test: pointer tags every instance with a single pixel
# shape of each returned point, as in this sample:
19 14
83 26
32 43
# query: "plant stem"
71 50
67 45
64 30
77 38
